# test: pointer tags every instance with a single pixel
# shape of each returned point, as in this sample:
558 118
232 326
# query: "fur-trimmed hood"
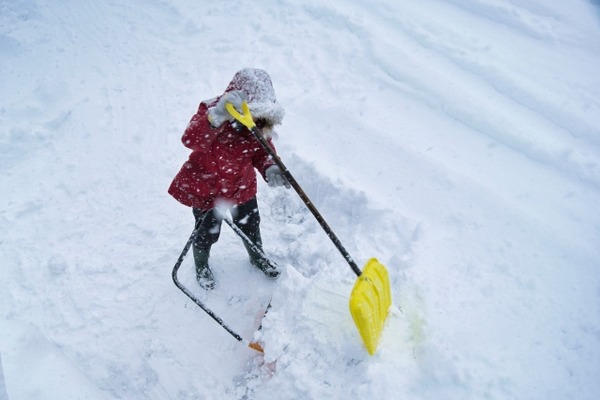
257 85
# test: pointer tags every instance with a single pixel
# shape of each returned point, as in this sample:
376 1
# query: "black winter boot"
268 267
204 275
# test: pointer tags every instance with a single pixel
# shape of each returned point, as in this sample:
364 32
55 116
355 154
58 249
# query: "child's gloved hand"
219 114
276 178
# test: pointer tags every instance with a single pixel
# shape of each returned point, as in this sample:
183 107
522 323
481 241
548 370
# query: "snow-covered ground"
456 141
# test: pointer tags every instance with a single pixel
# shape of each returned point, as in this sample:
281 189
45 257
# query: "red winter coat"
221 165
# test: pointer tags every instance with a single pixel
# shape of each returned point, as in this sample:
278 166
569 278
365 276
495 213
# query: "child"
220 168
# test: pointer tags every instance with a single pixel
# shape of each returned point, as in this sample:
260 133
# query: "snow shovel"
371 295
251 344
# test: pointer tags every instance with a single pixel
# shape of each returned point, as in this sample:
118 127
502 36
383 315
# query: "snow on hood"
256 83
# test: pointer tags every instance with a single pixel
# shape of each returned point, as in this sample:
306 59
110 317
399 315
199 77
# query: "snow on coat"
221 165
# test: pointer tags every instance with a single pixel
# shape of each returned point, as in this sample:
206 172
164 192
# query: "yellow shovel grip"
245 118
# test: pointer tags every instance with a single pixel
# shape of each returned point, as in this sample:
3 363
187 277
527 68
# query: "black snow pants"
245 216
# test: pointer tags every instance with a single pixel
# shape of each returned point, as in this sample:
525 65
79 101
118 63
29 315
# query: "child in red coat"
221 167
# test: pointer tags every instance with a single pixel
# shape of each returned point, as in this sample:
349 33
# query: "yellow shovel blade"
245 117
370 301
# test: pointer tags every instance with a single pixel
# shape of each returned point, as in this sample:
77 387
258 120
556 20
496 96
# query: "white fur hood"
257 85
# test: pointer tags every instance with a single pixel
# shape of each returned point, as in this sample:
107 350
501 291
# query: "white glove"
219 114
276 178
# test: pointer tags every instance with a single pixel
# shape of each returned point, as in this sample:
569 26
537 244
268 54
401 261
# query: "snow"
458 142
